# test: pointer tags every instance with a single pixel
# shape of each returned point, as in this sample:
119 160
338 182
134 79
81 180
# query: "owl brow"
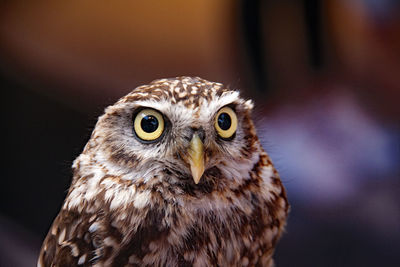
232 105
137 109
150 104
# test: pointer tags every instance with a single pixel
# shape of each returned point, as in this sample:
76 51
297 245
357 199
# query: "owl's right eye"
148 124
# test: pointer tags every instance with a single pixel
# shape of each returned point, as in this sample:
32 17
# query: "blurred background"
325 76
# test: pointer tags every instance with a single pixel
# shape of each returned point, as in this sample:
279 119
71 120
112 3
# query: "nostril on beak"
200 132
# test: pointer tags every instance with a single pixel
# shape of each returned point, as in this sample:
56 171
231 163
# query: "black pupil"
224 121
149 124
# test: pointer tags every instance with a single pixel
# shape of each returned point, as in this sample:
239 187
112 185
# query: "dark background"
325 76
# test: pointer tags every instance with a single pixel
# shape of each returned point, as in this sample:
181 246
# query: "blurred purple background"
325 76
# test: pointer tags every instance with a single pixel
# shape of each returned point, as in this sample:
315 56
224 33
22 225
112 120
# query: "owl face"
188 128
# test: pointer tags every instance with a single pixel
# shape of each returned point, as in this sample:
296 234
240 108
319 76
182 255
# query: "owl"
173 175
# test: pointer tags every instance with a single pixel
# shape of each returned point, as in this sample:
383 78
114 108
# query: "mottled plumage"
134 202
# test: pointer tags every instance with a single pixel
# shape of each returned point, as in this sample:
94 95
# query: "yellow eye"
148 124
226 122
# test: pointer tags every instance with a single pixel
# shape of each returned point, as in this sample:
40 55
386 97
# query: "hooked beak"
196 157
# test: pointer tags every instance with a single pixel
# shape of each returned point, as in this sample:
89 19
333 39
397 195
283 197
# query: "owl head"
184 130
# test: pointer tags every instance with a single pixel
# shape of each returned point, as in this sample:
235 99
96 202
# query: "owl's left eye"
148 124
226 123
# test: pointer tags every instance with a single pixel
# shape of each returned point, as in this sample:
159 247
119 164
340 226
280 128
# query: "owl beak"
196 157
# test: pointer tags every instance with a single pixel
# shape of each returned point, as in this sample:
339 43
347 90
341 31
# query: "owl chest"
178 237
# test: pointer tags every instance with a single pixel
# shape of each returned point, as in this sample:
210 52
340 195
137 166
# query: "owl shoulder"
75 238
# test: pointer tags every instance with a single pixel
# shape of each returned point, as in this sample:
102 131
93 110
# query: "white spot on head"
194 90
